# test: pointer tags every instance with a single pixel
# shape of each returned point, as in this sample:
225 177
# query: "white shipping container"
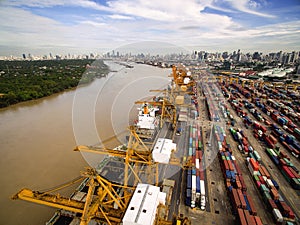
271 150
194 183
269 183
277 214
197 163
202 187
239 135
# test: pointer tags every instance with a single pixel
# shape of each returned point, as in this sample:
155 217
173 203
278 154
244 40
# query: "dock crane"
182 77
107 205
102 207
168 110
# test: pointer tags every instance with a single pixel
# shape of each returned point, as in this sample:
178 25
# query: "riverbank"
22 81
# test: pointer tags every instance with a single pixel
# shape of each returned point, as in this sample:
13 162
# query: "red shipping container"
251 204
194 159
202 175
200 155
282 162
246 150
244 187
261 179
272 204
230 165
288 172
273 139
236 200
283 155
197 153
285 207
242 199
237 168
267 122
291 213
258 183
263 128
226 167
294 173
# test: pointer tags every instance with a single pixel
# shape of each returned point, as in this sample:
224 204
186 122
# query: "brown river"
37 138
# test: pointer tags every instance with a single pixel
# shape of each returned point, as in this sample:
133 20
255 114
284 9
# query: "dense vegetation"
27 80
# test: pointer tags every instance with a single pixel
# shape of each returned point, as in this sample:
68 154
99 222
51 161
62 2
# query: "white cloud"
248 6
177 22
120 17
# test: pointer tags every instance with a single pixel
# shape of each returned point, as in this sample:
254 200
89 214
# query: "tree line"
27 80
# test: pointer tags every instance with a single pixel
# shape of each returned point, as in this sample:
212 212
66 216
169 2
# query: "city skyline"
62 27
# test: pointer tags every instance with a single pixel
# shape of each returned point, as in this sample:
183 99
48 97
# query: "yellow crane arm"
137 157
52 200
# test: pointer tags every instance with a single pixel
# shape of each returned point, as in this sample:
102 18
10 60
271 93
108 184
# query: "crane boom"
52 200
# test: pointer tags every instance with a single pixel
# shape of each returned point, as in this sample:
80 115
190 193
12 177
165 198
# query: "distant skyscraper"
24 56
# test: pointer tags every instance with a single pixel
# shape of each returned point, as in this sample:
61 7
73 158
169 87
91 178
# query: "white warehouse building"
162 150
143 205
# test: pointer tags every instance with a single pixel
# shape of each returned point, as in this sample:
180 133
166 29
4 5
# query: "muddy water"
37 137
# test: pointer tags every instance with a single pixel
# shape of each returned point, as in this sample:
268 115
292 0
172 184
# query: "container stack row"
195 177
279 112
268 188
214 103
279 157
241 201
286 167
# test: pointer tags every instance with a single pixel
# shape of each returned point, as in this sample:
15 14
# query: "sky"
98 26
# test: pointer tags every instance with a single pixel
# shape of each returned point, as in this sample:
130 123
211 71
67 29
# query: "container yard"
233 144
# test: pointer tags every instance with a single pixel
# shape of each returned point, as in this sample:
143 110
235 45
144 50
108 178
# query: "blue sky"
84 26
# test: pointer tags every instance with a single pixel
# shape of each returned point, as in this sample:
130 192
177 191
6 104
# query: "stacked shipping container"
242 203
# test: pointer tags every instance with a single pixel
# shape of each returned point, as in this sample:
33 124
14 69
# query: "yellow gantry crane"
168 112
137 153
108 206
181 76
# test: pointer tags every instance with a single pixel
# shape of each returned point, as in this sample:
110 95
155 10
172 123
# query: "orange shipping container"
265 171
242 217
254 164
258 220
274 193
250 219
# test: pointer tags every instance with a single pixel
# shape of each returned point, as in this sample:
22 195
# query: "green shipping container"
264 188
266 196
256 177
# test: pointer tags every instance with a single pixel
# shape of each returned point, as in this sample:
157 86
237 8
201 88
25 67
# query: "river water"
37 137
